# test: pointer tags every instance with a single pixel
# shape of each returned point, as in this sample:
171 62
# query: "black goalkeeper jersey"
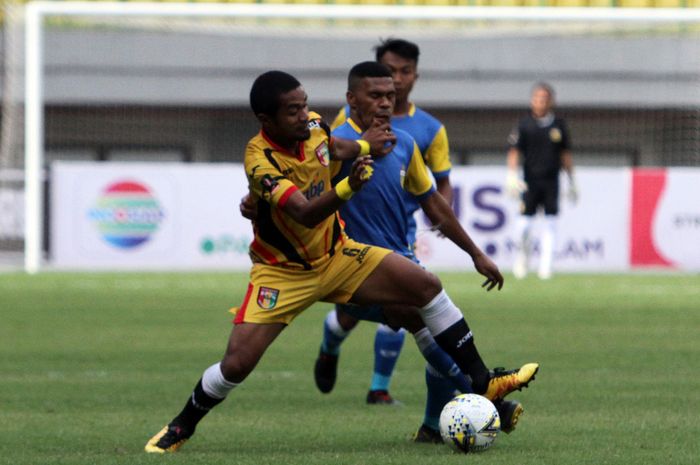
541 146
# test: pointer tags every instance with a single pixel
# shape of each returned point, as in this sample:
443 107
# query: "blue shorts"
366 313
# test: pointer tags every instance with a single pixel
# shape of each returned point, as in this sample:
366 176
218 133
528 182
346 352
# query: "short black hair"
266 91
545 86
401 47
364 70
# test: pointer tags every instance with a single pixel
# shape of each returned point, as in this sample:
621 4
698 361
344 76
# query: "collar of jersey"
411 112
354 126
300 147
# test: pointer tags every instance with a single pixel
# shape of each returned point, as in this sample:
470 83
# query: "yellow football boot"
169 439
503 382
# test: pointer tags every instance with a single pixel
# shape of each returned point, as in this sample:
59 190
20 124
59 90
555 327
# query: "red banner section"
647 187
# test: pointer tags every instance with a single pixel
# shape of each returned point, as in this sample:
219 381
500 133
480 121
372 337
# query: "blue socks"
333 334
443 378
440 391
387 347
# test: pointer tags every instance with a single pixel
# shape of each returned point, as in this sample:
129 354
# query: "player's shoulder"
425 117
404 140
316 122
559 121
345 131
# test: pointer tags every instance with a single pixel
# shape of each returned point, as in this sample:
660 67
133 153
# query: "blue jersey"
378 213
431 138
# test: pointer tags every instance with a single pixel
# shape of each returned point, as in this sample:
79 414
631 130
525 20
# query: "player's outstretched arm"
378 140
440 213
311 212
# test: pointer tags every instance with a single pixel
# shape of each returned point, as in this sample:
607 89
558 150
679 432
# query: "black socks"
458 342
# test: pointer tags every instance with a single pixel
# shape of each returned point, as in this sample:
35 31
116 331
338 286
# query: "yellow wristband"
343 189
364 146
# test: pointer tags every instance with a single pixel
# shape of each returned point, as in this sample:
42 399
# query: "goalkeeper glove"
572 194
514 185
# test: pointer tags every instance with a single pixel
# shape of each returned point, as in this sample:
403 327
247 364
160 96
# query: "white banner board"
179 216
148 216
591 235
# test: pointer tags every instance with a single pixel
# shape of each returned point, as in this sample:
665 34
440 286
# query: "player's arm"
418 183
514 185
567 164
378 140
439 212
311 212
437 158
445 189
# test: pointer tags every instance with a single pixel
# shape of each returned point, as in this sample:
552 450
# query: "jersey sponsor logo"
269 185
267 297
315 190
555 135
359 254
464 339
314 123
322 153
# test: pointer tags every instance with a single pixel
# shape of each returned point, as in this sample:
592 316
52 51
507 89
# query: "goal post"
36 14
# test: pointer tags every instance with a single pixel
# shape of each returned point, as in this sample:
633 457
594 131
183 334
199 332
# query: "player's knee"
236 367
430 287
346 321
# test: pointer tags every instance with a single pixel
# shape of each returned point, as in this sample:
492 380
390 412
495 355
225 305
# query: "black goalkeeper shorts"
541 192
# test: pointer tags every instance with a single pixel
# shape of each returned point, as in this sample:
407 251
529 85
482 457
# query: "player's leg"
400 281
387 348
275 296
548 237
443 380
247 343
523 230
336 327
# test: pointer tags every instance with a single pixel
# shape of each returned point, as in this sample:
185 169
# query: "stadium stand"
513 3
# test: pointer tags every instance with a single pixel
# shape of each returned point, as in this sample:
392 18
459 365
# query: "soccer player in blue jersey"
401 57
380 216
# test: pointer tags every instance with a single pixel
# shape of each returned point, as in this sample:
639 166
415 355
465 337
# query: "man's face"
373 98
404 72
291 123
540 102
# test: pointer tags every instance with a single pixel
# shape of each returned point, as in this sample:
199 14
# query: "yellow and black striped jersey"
274 175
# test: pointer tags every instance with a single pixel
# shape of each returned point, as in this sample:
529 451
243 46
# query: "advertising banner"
591 234
148 216
169 216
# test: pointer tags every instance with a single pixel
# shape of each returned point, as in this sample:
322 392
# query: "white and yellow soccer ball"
469 423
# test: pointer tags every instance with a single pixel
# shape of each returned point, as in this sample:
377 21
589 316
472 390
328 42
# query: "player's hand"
488 268
360 172
572 193
381 139
514 185
248 208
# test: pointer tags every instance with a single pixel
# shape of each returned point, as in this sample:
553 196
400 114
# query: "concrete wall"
177 94
208 69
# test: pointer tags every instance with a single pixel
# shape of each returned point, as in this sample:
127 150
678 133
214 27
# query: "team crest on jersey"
555 135
267 297
323 154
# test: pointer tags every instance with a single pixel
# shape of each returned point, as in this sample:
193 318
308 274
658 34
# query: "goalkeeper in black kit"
541 140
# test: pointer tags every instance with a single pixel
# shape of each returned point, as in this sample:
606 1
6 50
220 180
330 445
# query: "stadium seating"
523 3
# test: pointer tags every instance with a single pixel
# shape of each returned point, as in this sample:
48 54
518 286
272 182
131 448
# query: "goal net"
169 82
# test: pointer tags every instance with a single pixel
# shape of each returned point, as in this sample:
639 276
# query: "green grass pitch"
91 365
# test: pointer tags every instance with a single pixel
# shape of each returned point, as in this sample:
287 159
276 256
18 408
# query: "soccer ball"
469 423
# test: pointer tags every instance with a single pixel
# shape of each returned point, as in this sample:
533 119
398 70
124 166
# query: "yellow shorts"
277 295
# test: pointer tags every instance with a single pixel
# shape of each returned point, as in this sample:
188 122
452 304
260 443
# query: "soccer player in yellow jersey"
301 254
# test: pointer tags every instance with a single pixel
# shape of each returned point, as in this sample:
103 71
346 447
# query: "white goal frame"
36 12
